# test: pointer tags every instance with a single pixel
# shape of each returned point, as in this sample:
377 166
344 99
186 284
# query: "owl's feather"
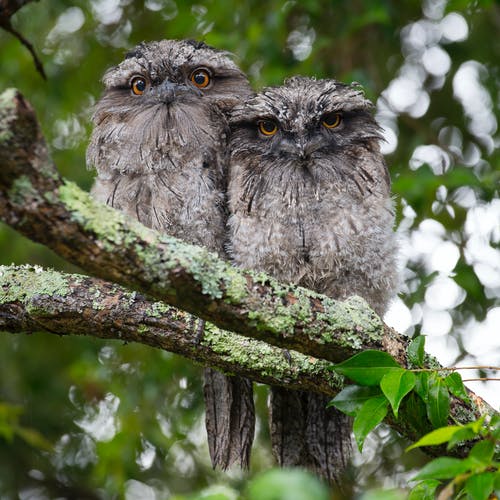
311 204
160 154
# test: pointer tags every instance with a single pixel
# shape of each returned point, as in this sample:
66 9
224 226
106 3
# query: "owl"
159 145
310 203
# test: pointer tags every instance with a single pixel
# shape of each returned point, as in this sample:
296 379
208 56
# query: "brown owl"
310 203
159 146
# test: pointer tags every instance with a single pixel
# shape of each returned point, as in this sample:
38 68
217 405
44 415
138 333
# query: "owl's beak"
301 147
168 91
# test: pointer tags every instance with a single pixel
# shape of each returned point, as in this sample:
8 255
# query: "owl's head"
306 117
172 71
308 131
164 99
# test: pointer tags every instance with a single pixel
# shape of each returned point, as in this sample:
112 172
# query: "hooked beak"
301 147
168 91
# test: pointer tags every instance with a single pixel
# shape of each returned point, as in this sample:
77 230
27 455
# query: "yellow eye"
138 85
331 120
267 127
200 78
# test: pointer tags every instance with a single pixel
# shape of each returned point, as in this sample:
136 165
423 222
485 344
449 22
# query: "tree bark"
33 299
36 201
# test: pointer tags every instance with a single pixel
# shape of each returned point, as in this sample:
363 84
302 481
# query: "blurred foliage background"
82 418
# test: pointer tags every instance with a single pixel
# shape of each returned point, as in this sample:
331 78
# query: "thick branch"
34 300
36 201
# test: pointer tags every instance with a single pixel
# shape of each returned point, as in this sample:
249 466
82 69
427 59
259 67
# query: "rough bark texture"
36 201
33 299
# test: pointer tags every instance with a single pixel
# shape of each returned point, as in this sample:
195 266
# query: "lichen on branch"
36 201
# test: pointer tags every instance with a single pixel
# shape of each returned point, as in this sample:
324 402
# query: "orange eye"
267 127
200 78
331 120
138 85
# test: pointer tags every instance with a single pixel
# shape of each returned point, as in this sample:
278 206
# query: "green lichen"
22 190
157 310
23 283
260 357
110 226
142 329
7 104
235 285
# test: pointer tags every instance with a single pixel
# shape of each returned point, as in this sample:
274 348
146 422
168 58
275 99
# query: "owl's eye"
200 78
138 85
331 120
267 127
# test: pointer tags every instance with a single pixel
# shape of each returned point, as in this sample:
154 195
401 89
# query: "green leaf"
350 399
438 436
443 468
495 426
455 385
282 484
422 385
416 351
464 434
416 414
369 416
395 385
367 367
438 404
482 453
480 486
469 431
425 490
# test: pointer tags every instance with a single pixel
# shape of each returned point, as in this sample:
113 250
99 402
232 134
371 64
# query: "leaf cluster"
381 383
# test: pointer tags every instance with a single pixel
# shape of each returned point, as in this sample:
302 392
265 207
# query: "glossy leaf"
367 368
482 453
395 385
480 486
351 398
425 490
438 436
369 416
443 468
438 404
422 385
455 385
416 351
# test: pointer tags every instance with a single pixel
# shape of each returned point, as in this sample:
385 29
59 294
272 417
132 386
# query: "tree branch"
7 9
36 201
33 299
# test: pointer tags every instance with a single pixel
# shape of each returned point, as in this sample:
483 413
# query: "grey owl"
159 146
310 203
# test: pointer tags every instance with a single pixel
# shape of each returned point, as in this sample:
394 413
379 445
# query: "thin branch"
7 9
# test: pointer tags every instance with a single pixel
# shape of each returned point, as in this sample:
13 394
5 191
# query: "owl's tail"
304 432
230 419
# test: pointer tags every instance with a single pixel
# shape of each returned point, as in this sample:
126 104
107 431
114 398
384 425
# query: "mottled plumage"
310 203
159 145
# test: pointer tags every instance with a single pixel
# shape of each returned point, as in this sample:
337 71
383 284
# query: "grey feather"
160 156
312 205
